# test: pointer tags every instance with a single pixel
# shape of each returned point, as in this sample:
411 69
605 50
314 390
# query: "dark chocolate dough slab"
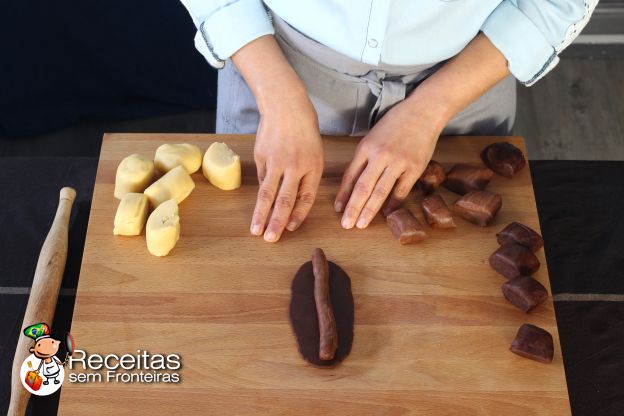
303 316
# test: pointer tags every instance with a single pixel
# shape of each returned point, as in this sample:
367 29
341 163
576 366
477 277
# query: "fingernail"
347 223
292 226
338 207
270 236
256 229
361 223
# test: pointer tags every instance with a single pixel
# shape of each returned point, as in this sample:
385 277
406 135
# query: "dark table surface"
579 205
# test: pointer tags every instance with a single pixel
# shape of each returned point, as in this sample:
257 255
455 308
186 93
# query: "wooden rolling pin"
43 294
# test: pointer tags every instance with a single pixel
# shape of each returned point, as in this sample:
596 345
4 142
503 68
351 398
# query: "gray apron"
350 96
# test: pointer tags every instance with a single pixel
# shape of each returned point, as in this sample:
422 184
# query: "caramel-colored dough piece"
134 174
304 318
432 177
162 231
405 227
222 167
327 323
503 158
513 260
524 292
463 178
478 207
437 213
520 234
176 184
534 343
168 156
131 214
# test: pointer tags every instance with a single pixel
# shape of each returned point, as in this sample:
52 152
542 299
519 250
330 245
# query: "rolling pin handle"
68 193
43 293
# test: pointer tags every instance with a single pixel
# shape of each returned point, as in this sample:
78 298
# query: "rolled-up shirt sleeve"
532 33
225 26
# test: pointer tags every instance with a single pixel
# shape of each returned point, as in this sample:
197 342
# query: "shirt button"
372 43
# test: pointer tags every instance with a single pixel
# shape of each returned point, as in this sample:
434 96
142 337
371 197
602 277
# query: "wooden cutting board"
432 330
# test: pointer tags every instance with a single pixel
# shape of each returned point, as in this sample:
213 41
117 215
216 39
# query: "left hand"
387 163
393 155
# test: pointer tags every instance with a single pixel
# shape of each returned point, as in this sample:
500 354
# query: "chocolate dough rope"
328 335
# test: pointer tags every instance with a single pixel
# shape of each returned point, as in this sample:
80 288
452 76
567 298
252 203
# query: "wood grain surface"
432 330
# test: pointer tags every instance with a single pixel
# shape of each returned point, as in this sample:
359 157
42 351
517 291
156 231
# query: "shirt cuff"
529 55
235 24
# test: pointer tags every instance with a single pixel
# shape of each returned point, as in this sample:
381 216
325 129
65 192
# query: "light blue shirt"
529 33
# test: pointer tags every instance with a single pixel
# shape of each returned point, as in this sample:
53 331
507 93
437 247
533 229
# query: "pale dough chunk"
131 214
168 156
134 174
176 184
222 167
163 228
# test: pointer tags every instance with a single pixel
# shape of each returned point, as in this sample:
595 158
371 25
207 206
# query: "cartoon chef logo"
42 372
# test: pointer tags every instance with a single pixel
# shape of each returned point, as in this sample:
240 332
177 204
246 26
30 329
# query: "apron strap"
388 93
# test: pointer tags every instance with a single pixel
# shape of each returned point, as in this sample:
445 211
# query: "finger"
261 170
399 193
266 196
361 192
305 199
349 178
382 189
282 208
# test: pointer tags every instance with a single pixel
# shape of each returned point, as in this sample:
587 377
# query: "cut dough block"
131 214
163 228
176 184
134 174
222 167
168 156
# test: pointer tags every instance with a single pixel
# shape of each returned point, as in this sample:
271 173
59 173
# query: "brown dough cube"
503 158
534 343
520 234
437 213
478 207
524 292
513 260
405 227
463 178
432 177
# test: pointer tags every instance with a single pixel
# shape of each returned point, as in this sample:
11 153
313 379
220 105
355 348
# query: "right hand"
288 149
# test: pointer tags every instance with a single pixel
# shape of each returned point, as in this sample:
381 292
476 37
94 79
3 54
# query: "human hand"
387 163
288 148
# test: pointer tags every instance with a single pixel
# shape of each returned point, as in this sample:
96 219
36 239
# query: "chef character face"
45 348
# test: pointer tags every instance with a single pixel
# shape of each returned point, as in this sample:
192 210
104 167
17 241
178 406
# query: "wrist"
429 110
274 96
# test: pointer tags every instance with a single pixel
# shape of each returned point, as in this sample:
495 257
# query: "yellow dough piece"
163 228
134 174
131 214
176 184
222 167
168 156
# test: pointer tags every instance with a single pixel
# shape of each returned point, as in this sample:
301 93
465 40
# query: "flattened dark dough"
303 316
